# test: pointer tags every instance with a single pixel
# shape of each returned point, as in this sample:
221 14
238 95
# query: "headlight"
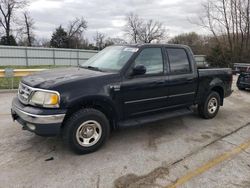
45 99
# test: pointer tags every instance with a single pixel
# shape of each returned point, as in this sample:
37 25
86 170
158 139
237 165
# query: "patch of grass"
12 83
9 83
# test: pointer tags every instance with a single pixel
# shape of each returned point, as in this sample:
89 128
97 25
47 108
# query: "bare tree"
75 31
247 20
29 26
142 31
152 31
198 43
228 20
112 41
133 27
8 9
42 42
99 39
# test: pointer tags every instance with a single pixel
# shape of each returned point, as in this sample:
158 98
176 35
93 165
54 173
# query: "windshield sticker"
131 49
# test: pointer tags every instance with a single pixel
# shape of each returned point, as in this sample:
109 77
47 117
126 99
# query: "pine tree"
59 38
10 41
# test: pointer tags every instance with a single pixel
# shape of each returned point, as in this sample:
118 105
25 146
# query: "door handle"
190 80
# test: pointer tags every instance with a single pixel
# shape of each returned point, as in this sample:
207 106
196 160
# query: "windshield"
112 58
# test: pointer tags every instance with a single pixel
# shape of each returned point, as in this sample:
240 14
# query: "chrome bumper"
38 119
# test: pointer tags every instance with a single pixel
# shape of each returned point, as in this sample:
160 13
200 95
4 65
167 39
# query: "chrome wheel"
212 105
88 133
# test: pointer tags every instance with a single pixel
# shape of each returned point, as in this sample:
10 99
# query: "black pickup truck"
120 86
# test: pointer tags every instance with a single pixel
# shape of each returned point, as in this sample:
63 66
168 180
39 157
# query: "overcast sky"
108 16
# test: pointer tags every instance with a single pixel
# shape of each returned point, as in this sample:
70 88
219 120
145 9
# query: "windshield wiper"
92 68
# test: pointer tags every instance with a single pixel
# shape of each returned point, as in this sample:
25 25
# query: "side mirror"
139 70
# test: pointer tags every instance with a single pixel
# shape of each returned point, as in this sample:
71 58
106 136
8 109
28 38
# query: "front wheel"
210 106
86 131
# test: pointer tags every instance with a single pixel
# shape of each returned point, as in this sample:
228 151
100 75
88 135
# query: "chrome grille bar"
24 93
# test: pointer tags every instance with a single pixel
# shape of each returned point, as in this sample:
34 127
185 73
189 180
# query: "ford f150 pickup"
120 86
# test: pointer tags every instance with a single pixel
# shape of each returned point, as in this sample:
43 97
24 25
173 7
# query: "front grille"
24 93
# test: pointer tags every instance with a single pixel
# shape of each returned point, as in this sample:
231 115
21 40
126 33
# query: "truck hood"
53 77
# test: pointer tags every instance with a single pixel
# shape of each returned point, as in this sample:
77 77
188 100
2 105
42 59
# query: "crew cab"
120 86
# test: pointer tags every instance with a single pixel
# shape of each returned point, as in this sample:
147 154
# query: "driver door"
145 93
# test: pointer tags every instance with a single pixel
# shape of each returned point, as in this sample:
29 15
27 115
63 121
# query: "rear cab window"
178 61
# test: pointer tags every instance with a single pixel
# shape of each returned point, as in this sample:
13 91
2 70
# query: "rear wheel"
210 106
86 131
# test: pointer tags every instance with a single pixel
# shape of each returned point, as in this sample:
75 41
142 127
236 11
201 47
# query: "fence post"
26 57
78 60
54 57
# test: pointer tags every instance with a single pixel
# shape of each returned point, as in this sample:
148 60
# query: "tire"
86 130
241 88
210 106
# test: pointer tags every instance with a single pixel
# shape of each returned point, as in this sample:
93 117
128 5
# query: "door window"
151 58
179 62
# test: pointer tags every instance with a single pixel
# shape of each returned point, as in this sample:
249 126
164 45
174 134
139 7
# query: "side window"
151 58
179 63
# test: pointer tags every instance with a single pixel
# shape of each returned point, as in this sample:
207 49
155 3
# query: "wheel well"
100 105
220 91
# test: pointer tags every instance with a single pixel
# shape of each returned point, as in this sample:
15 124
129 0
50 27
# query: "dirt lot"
180 152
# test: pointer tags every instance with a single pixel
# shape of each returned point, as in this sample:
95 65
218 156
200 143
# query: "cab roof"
155 45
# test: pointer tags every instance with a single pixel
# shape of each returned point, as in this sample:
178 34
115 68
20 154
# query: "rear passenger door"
182 77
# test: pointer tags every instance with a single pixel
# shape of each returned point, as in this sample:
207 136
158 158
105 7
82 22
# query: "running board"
155 117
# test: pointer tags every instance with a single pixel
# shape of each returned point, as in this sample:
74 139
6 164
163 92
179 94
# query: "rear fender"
218 86
215 85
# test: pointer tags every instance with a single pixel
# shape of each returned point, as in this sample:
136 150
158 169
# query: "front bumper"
44 122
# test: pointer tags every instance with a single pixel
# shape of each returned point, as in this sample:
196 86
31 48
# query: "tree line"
227 21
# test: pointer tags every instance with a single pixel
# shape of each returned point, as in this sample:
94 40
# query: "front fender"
105 101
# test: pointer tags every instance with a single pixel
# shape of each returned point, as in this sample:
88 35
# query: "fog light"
31 127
